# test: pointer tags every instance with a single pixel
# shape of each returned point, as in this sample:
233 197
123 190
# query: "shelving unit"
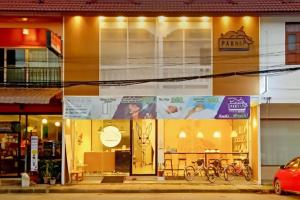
10 137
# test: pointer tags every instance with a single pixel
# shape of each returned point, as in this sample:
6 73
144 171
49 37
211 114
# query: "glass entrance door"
143 147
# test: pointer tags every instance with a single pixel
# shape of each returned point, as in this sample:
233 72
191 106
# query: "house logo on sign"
237 105
235 41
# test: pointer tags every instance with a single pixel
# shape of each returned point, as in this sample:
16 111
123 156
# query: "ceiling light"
44 121
200 135
57 124
217 134
182 135
25 31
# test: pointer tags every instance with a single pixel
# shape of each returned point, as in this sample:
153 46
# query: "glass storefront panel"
189 140
10 137
144 147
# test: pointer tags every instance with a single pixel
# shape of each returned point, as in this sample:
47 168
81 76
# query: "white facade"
283 87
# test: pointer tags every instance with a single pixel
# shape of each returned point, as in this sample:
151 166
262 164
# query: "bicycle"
219 170
244 170
198 168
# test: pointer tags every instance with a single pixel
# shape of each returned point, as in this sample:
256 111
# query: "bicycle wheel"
210 174
202 174
247 173
189 173
229 173
222 173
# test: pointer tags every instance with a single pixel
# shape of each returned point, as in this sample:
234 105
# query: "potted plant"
54 171
45 172
49 170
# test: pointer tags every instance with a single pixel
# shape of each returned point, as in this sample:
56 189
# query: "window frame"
289 54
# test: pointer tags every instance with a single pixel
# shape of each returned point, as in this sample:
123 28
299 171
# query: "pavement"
139 188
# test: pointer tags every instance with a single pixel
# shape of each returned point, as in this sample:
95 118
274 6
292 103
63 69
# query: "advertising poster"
78 107
136 107
160 107
126 107
203 107
34 153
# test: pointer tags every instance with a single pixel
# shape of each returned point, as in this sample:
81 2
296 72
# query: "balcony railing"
31 76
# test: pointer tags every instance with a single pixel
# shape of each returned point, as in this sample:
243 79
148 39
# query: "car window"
294 164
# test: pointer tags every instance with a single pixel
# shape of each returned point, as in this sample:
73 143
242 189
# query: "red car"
287 178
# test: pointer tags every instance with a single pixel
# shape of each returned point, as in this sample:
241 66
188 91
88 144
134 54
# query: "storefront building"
105 130
30 100
156 129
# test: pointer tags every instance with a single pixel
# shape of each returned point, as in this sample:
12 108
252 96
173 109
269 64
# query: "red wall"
14 37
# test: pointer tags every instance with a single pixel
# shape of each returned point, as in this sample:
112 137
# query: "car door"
295 184
290 174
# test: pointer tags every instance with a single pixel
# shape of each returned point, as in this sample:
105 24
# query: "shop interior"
15 153
100 148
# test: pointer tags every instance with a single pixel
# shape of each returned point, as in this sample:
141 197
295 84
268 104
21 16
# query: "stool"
168 159
181 159
77 175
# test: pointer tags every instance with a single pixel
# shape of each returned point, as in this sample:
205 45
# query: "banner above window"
160 107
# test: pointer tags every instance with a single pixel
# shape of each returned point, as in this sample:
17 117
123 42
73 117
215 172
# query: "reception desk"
99 161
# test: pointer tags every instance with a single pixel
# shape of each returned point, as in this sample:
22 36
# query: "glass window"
292 40
15 65
135 48
293 164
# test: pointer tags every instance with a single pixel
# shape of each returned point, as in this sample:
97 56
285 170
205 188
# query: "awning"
29 95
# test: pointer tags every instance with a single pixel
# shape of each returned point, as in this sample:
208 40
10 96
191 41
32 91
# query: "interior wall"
191 143
232 61
254 139
82 139
81 49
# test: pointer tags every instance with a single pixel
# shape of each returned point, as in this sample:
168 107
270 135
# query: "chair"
181 160
168 161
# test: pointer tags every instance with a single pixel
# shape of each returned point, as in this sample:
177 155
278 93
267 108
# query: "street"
148 196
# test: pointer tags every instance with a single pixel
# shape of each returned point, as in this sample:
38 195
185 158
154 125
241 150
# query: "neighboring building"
27 57
150 128
280 94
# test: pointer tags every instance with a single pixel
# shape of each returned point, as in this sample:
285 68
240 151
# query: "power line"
142 81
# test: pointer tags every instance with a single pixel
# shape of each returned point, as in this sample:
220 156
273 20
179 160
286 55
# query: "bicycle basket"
217 163
200 162
246 161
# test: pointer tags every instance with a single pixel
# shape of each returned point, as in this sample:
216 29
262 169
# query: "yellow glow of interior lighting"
44 121
120 19
142 18
161 19
247 20
205 18
182 135
24 19
217 134
183 19
25 31
101 18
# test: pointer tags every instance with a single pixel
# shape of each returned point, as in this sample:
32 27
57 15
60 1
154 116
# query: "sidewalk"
139 188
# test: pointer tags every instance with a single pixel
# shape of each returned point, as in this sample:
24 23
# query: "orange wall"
81 54
231 61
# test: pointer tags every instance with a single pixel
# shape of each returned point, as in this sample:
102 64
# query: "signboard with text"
160 107
34 153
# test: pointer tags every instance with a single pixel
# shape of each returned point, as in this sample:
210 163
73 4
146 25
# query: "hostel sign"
235 41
